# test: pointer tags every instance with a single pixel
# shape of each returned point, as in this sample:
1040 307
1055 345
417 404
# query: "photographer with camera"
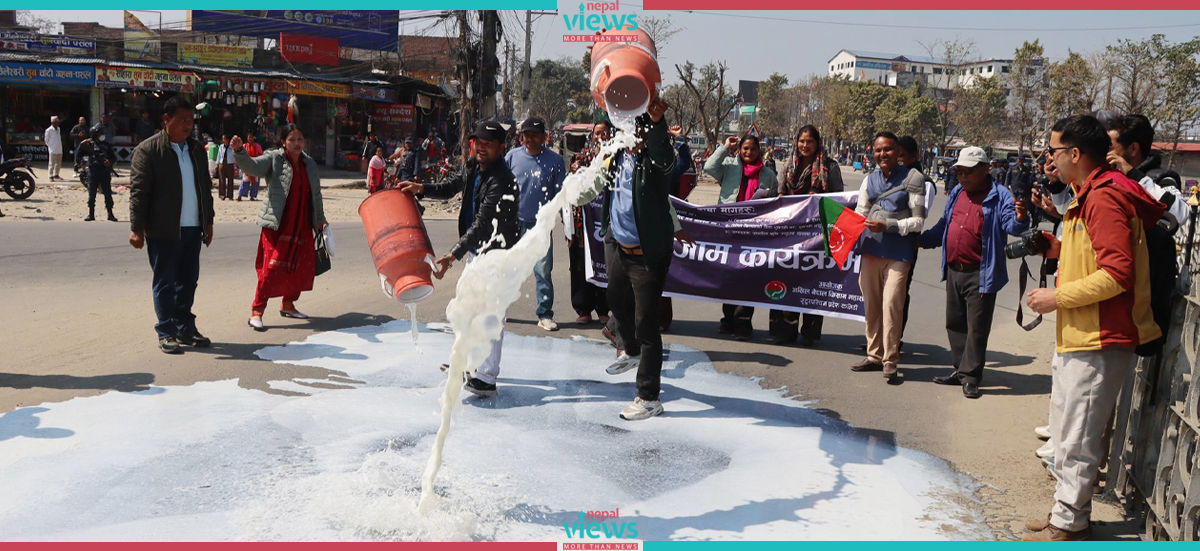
978 215
1103 303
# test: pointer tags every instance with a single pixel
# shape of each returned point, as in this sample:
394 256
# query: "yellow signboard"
314 88
144 79
216 54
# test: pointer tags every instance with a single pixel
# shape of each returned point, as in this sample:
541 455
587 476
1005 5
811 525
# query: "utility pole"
525 73
465 120
488 68
508 108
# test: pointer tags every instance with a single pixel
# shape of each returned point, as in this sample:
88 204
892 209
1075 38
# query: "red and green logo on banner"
841 227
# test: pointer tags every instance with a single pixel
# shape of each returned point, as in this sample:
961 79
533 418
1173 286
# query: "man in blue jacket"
971 233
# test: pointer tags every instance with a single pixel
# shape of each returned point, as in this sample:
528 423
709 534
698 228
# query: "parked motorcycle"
16 177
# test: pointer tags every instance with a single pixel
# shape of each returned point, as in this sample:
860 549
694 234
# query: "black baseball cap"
489 130
533 124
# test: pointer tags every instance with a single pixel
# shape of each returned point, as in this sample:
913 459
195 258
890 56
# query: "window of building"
937 70
1004 68
990 68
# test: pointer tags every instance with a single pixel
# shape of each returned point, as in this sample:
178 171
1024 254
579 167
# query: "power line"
934 27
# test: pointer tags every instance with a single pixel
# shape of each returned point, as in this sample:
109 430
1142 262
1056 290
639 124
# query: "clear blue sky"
754 48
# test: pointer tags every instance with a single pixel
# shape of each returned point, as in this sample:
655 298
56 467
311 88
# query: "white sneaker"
548 324
641 409
1046 450
1042 432
624 363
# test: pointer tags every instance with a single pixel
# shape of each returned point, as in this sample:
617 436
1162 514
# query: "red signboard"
299 48
395 120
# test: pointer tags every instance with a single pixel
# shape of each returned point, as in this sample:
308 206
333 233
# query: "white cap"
971 156
54 118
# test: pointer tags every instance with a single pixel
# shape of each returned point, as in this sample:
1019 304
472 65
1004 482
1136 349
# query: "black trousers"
176 265
738 319
634 289
908 294
585 297
968 323
788 325
96 183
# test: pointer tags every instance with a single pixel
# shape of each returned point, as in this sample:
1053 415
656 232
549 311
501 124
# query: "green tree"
1136 72
906 111
559 91
1074 85
865 98
1179 110
1027 101
981 111
774 99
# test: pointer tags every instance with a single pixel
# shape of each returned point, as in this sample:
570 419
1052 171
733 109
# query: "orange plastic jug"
399 244
625 74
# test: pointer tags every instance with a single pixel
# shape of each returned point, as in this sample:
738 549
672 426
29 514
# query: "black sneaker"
194 339
480 388
169 345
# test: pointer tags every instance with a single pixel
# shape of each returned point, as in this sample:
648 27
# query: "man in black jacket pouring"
639 229
486 221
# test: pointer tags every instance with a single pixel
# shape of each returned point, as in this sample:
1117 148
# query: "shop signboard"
396 119
366 29
298 48
384 95
141 44
424 102
48 44
216 54
145 79
46 73
315 88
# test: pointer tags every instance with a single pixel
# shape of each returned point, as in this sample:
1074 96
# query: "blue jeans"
541 275
176 265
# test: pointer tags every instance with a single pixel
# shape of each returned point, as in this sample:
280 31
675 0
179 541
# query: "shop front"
240 106
356 120
31 93
317 112
129 91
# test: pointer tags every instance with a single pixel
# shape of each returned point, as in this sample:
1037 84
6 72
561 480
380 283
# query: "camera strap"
1022 282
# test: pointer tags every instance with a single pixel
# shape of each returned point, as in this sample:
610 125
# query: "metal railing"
1154 463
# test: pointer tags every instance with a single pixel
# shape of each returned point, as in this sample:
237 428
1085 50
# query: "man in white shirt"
54 146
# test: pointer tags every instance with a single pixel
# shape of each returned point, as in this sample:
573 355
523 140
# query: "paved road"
75 300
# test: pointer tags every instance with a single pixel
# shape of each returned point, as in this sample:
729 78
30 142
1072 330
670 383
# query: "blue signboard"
366 29
384 95
50 44
873 65
47 73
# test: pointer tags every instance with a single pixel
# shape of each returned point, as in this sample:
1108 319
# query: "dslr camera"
1030 243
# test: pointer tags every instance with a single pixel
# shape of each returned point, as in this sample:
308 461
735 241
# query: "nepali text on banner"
45 73
216 54
768 253
145 79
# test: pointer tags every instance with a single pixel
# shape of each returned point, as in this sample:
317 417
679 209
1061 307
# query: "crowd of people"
1112 207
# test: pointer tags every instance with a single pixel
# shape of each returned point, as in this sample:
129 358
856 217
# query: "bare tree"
684 108
42 25
1180 108
1136 72
1075 88
945 83
661 30
712 98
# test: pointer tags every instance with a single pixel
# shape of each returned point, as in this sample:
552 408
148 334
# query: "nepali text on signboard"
395 120
144 79
767 253
366 29
44 73
48 44
216 54
141 43
315 88
384 95
298 48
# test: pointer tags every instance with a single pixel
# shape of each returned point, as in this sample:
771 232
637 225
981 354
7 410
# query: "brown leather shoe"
890 370
1054 533
1037 524
866 365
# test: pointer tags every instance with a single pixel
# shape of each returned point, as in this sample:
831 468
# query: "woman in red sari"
290 215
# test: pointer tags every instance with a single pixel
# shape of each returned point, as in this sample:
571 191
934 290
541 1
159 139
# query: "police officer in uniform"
100 158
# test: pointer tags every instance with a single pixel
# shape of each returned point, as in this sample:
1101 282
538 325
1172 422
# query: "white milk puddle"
212 461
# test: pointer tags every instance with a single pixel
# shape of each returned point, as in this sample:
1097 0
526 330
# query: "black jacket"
156 188
496 203
651 202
